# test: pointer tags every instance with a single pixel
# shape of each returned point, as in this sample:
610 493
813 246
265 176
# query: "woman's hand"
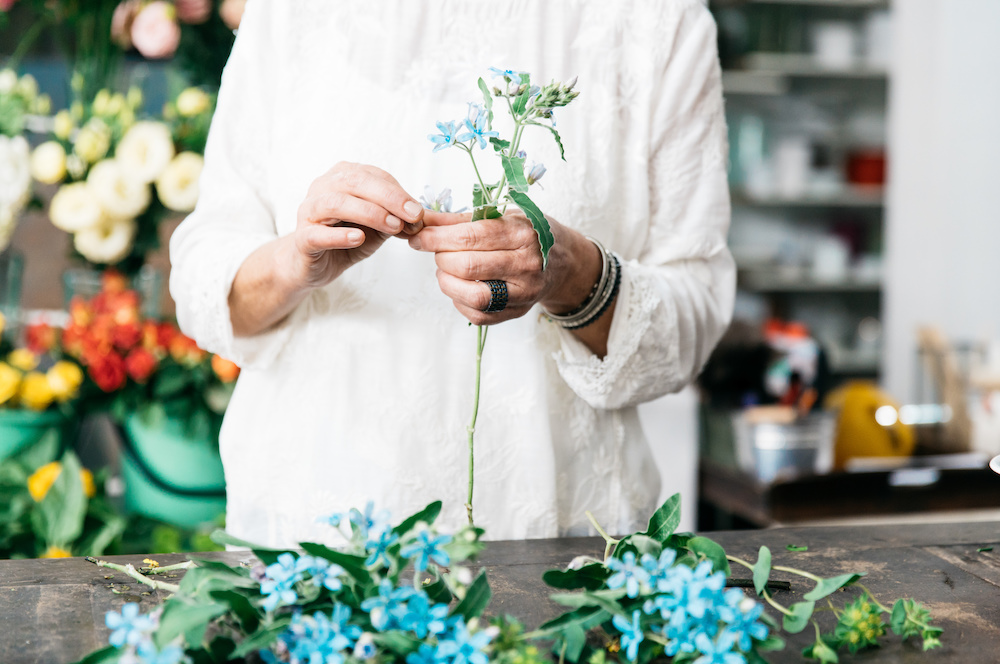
345 217
469 253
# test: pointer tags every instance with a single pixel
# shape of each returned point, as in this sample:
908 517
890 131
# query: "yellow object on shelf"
862 433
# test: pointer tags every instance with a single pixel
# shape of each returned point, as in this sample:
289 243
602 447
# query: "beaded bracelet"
601 295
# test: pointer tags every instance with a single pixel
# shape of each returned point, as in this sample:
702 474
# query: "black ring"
498 296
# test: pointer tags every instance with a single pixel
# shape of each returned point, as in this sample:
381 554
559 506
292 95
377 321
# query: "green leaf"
762 570
240 606
438 592
589 577
103 656
574 638
427 515
499 145
487 102
263 638
480 205
665 520
521 101
832 585
638 544
399 643
801 612
555 135
822 651
353 565
712 551
771 643
606 599
897 619
513 167
180 617
59 516
538 221
984 549
476 598
95 543
796 548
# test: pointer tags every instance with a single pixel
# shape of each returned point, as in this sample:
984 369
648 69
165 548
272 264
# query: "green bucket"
22 428
169 475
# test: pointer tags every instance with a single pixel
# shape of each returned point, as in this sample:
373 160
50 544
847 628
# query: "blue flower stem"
481 331
474 166
609 541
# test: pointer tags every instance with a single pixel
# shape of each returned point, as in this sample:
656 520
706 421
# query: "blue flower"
320 638
718 651
464 647
476 123
631 633
447 137
426 548
535 173
332 519
377 546
148 653
745 624
388 608
280 578
422 619
508 75
659 569
627 574
426 654
321 571
365 647
128 627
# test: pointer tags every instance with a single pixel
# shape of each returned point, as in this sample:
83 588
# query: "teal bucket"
21 428
170 476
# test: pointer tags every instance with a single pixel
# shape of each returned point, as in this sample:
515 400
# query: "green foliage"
538 222
762 570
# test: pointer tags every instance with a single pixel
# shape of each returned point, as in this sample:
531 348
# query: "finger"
373 186
477 317
434 218
476 294
319 238
337 206
481 265
485 235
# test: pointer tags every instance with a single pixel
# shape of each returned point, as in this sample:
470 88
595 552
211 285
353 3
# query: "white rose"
108 242
15 173
75 208
118 194
8 79
145 150
177 187
48 163
93 141
192 102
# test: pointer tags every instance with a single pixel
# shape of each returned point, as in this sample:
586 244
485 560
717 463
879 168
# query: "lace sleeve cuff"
643 356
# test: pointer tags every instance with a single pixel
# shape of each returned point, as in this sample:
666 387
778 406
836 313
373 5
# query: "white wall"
943 215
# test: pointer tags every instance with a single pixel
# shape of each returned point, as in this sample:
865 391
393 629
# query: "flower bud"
8 80
63 125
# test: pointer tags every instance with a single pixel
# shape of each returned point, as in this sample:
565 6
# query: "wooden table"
52 611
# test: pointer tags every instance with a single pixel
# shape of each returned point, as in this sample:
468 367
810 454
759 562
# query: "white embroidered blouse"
364 392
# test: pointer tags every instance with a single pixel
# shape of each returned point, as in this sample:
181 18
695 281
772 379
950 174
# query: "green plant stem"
134 573
479 177
734 559
609 541
767 598
798 572
481 331
877 603
30 35
187 564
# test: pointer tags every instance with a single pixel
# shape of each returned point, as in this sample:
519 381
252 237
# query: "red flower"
107 371
140 364
41 338
126 336
113 282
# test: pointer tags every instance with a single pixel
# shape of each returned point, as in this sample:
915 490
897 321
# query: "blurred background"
859 382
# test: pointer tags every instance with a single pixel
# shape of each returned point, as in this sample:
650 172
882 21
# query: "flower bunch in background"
119 177
19 100
36 377
133 362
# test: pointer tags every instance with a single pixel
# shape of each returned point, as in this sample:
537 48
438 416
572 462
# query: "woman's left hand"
506 249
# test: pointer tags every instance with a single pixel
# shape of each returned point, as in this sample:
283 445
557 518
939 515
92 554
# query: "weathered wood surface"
52 611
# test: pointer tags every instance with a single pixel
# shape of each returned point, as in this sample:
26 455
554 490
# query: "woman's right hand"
347 214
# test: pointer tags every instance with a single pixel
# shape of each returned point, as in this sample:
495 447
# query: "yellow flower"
42 105
87 479
10 381
35 391
64 125
93 141
42 480
191 102
23 359
134 97
100 105
64 380
56 552
48 163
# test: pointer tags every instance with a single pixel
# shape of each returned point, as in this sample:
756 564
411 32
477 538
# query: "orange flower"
72 339
80 312
140 364
41 337
184 350
87 479
226 371
113 281
107 371
56 552
42 480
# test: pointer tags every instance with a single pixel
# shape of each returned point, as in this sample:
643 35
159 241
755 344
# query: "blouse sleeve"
677 293
235 213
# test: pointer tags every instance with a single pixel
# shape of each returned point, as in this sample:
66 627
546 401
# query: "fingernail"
415 242
414 228
354 236
393 223
412 208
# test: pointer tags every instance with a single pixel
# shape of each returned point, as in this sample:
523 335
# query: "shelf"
848 199
772 73
769 284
